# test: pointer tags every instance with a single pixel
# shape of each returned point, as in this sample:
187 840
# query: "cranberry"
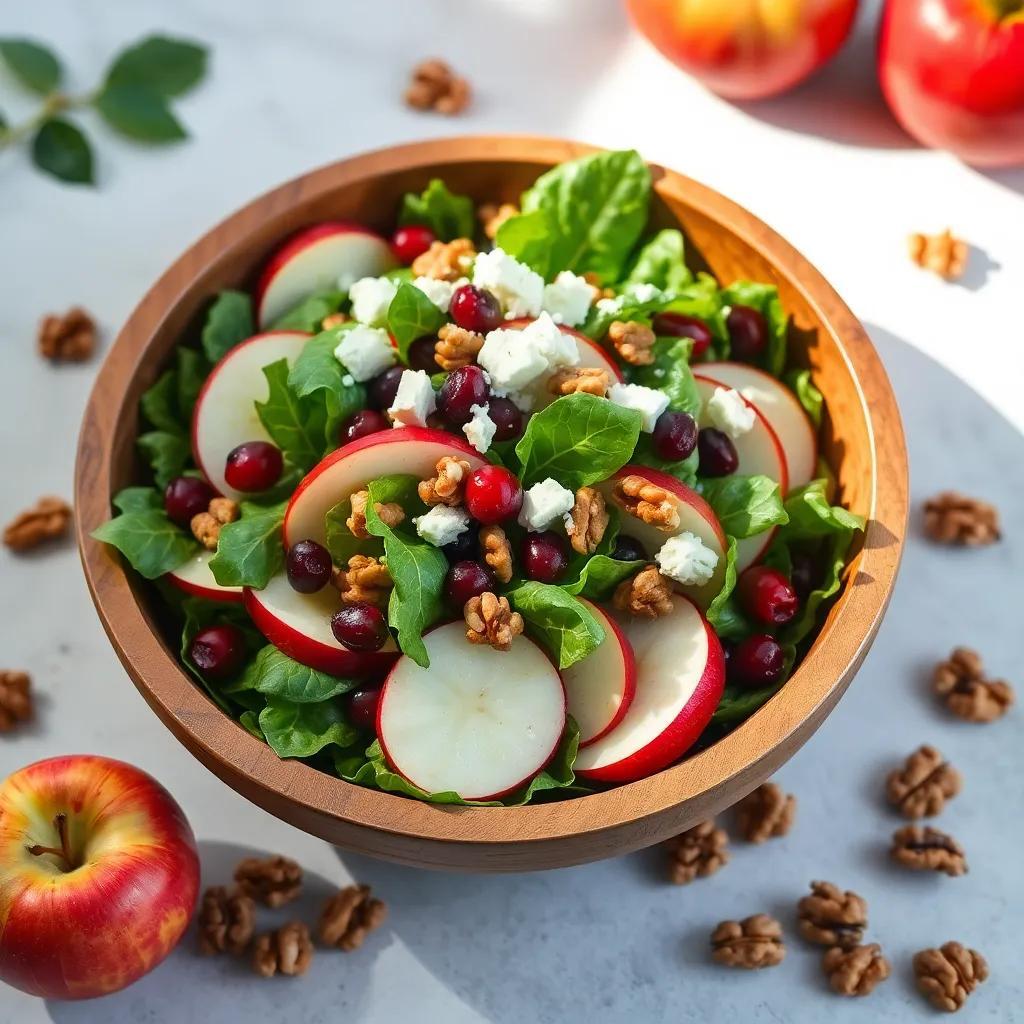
360 626
253 466
675 436
185 497
462 389
466 580
421 355
493 494
628 549
678 325
506 417
756 662
805 575
465 547
383 388
475 309
409 242
767 596
748 333
309 566
545 557
218 651
717 453
362 708
362 424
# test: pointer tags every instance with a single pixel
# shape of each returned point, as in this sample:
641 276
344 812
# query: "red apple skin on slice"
225 412
300 626
194 577
414 450
680 679
600 688
478 722
314 260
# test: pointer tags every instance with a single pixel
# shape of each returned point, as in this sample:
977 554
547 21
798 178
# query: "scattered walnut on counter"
697 852
960 681
855 971
436 87
943 254
286 951
948 975
15 699
47 520
273 881
67 338
226 920
765 813
922 848
349 916
954 518
831 917
922 786
751 943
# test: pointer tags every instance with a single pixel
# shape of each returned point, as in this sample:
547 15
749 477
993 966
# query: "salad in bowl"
508 506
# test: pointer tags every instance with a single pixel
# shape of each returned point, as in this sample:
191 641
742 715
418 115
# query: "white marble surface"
297 85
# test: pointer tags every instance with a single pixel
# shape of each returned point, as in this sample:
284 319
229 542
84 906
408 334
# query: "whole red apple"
98 876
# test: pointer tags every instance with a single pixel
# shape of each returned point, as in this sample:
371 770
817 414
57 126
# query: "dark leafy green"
228 322
296 425
198 615
302 730
447 215
661 262
556 619
137 499
412 315
745 505
318 373
167 454
600 575
309 313
528 238
275 675
61 149
169 67
250 550
34 65
671 373
147 538
139 112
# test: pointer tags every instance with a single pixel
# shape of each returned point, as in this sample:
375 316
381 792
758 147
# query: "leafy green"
35 66
167 454
724 612
228 322
160 403
341 542
738 703
250 721
745 505
661 262
139 112
765 299
799 382
198 615
192 372
168 67
670 372
448 216
563 624
302 730
250 551
310 312
61 149
276 675
811 515
147 538
317 372
600 575
137 499
295 425
528 238
698 299
412 315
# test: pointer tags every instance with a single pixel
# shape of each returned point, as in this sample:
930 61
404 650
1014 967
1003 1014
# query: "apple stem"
60 823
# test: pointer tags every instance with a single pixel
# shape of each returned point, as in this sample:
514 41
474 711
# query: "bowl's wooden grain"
863 439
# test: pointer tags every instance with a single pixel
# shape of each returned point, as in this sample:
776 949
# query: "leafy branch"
133 99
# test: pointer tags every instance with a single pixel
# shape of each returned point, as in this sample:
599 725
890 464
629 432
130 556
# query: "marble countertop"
293 86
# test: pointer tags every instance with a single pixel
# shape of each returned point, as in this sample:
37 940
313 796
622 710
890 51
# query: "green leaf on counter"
138 112
34 65
61 149
169 67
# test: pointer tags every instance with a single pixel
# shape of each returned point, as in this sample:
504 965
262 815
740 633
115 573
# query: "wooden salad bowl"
861 438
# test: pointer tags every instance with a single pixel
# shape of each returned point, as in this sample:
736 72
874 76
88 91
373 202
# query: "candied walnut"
493 215
333 320
47 520
227 920
436 87
753 942
366 579
448 484
286 951
224 510
273 880
831 917
922 848
205 529
765 813
954 518
497 552
490 620
456 347
948 975
855 971
633 341
943 254
648 594
589 521
647 502
961 682
391 514
446 261
697 853
922 786
349 916
589 380
15 699
67 338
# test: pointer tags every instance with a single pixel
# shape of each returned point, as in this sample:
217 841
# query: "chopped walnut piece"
831 917
943 254
446 261
447 485
456 347
923 848
751 943
366 579
286 951
855 971
948 975
493 215
47 520
633 341
333 320
391 514
205 529
648 594
224 510
588 380
227 920
436 87
589 521
273 880
15 699
349 916
765 813
646 501
490 620
954 518
960 681
922 786
67 338
497 552
697 852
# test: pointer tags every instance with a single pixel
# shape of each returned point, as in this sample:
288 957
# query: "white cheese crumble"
686 559
515 359
644 292
371 297
480 429
568 298
441 525
543 503
649 402
439 292
414 400
365 351
609 305
519 289
728 411
557 347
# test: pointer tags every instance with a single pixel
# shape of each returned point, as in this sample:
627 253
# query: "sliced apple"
225 412
680 678
695 516
334 254
783 411
414 450
300 625
194 577
478 722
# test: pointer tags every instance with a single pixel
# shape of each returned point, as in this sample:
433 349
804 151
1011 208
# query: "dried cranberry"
465 580
545 556
421 355
475 309
507 418
360 626
678 325
462 389
362 708
308 566
185 497
767 596
748 333
757 662
362 424
493 494
253 466
409 242
628 549
675 436
718 455
218 651
383 388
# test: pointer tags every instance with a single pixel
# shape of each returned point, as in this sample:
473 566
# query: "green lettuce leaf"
137 499
167 454
557 620
600 575
193 369
274 674
745 505
699 299
250 550
447 215
152 544
228 322
765 299
302 730
310 312
661 262
250 721
295 425
670 372
159 404
341 542
528 238
799 382
723 613
412 315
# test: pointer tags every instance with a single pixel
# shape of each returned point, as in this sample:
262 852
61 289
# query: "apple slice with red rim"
680 677
600 688
194 577
477 722
225 412
414 450
300 626
331 255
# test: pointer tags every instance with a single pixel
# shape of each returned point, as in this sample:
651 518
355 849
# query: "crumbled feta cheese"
644 292
649 402
365 351
439 292
510 360
557 347
519 289
414 400
371 297
609 305
348 380
686 559
728 411
543 503
568 298
441 525
480 429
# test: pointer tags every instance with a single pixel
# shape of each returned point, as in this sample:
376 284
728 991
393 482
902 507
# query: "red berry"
506 417
185 497
465 580
409 242
362 708
748 333
545 556
757 662
462 389
218 651
678 325
253 466
675 436
475 309
805 575
421 355
360 626
382 389
493 494
308 566
718 455
362 424
767 596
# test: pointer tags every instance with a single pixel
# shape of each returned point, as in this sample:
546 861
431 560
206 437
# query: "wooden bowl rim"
219 741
